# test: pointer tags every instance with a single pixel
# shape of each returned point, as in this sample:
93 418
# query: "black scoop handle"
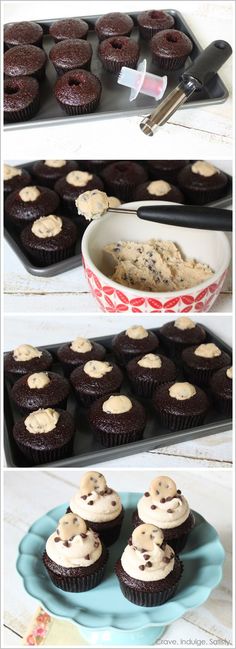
207 63
188 216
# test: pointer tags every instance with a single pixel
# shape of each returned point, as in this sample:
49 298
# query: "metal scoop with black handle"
187 216
193 78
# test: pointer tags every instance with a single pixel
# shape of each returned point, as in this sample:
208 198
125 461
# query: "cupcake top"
113 24
23 60
92 204
183 330
147 557
71 53
23 33
19 92
73 544
201 175
78 88
68 28
171 43
156 20
95 501
41 421
163 504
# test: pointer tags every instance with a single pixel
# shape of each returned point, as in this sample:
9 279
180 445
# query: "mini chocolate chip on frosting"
78 178
47 226
184 323
73 544
55 164
151 361
42 421
207 350
157 563
182 391
81 345
113 201
229 372
204 169
97 369
10 172
29 194
38 380
137 332
163 505
25 353
92 204
94 500
116 405
158 188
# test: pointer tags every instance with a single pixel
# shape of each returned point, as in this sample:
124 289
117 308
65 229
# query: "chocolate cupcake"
49 239
166 169
40 390
147 372
202 183
45 435
181 333
134 341
117 51
25 206
26 359
61 30
117 419
95 379
70 55
73 184
148 570
47 172
114 24
78 92
23 33
122 177
170 48
74 557
201 361
78 352
25 60
99 505
154 21
221 390
158 190
180 405
163 505
21 99
14 179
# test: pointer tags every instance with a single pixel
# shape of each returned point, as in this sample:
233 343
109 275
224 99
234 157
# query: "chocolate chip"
170 511
130 542
75 520
147 494
141 567
166 560
168 499
163 545
113 503
58 532
109 491
96 544
71 538
149 564
153 507
84 497
178 491
90 494
157 492
83 535
163 500
57 538
67 544
146 556
87 557
143 550
172 556
90 502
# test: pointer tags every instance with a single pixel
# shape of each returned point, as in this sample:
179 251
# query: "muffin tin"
13 238
115 99
86 449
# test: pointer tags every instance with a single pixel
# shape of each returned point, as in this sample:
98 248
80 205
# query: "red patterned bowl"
204 245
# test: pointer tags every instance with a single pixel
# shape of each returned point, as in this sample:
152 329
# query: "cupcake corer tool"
195 77
141 81
188 216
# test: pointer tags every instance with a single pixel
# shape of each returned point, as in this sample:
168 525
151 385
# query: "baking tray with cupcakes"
94 400
47 261
58 80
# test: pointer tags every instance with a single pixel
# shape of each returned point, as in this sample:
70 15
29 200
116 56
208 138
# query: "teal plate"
104 616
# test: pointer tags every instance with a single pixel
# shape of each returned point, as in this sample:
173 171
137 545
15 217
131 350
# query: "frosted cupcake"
99 505
164 505
74 556
148 571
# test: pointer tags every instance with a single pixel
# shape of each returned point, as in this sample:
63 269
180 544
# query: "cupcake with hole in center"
132 342
99 505
74 556
148 570
117 419
118 51
164 505
153 21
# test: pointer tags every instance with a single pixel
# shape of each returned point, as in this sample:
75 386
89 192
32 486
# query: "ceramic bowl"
204 245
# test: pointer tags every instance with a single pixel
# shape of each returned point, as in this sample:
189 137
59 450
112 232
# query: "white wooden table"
212 451
30 496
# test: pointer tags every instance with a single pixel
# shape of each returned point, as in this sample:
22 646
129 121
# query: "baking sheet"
115 98
87 450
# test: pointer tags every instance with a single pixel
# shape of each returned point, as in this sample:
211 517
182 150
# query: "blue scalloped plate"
104 616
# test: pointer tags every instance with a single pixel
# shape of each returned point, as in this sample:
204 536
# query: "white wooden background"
29 496
214 450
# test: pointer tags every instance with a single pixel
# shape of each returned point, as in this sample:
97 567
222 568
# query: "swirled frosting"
163 505
95 501
147 557
73 544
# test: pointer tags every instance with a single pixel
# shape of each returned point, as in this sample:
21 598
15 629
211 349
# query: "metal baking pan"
115 99
87 450
12 237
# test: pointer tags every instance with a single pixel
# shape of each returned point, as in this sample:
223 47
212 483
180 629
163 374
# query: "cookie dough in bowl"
208 250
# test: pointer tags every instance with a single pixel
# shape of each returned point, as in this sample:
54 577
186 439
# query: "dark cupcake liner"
148 32
148 597
115 66
45 258
225 406
124 357
108 532
173 349
201 197
198 376
101 37
60 71
77 584
24 114
117 439
166 63
147 388
180 422
80 110
36 456
37 43
26 411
